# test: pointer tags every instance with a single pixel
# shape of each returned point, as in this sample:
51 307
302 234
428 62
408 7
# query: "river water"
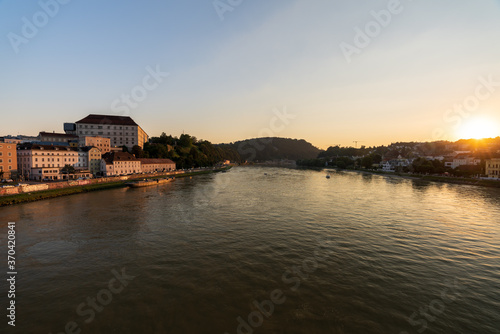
260 250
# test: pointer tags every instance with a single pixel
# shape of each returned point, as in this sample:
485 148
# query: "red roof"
155 161
110 157
107 119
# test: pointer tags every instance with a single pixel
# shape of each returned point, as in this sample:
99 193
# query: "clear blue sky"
228 77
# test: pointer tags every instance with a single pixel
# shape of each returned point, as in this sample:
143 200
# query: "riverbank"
429 178
53 193
433 178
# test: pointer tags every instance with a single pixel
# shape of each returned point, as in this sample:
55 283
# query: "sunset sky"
369 71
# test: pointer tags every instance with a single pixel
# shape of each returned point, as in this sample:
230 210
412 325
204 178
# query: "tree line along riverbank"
71 190
433 178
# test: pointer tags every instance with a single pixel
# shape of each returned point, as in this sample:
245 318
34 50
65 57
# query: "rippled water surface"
262 250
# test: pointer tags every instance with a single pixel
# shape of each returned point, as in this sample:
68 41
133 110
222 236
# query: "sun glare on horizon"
478 128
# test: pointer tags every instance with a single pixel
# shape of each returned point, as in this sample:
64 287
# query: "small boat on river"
149 182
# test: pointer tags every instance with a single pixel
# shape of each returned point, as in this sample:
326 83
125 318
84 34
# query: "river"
260 250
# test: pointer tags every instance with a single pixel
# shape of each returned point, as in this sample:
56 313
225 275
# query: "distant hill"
271 148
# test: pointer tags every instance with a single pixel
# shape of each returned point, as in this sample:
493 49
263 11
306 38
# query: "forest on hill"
186 151
273 148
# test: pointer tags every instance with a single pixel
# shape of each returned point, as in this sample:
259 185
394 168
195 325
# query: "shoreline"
429 178
7 200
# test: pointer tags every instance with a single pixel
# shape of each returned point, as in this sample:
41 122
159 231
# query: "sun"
478 128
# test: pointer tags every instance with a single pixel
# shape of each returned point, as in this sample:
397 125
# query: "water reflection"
205 248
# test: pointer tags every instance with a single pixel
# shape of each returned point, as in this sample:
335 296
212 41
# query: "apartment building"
463 159
89 158
8 160
493 168
45 162
102 143
52 138
157 165
121 130
119 163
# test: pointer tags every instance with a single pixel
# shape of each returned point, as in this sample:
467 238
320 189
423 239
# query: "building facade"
11 140
493 168
8 160
395 164
462 159
94 156
119 163
52 138
157 165
102 143
121 130
89 159
45 162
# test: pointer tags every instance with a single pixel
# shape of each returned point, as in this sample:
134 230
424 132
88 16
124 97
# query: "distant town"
95 146
106 146
472 158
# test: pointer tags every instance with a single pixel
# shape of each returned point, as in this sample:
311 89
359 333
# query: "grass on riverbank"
46 194
53 193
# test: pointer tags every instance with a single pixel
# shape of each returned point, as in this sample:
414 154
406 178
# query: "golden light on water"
478 128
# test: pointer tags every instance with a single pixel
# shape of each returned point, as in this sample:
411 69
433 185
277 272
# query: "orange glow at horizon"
478 128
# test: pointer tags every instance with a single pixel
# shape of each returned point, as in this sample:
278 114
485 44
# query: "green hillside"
271 148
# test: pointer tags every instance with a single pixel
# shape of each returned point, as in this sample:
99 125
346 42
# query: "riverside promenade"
44 190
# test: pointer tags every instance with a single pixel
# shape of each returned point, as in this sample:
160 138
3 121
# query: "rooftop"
53 134
155 161
30 146
86 148
107 119
110 157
